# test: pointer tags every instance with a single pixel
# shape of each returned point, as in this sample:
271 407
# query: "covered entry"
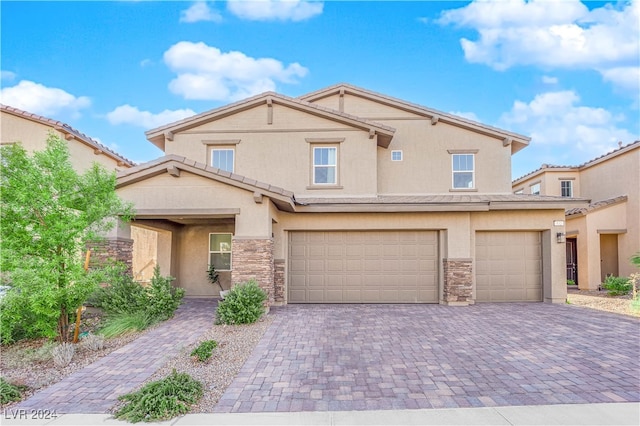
363 267
508 266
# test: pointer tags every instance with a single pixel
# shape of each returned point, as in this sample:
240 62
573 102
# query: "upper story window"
396 155
519 191
535 189
222 159
566 188
220 251
463 171
325 165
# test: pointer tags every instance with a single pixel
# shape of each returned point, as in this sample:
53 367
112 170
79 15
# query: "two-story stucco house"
347 196
601 237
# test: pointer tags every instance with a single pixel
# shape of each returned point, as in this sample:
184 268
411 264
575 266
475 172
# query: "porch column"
117 245
253 258
458 281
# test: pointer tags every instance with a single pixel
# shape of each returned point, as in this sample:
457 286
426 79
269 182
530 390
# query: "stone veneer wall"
278 280
458 281
111 249
253 258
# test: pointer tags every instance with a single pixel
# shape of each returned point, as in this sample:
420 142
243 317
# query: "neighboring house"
348 196
32 130
601 237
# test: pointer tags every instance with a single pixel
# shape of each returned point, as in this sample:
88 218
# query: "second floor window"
566 188
222 159
535 189
325 165
463 171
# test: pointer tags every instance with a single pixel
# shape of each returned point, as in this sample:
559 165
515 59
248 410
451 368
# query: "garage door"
508 267
363 267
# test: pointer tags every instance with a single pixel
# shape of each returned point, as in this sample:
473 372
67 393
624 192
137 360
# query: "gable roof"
69 133
516 140
157 136
605 157
173 164
581 211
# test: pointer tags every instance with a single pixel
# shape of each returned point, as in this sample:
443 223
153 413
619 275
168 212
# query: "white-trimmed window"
463 171
396 155
222 158
566 188
535 189
325 165
220 251
519 191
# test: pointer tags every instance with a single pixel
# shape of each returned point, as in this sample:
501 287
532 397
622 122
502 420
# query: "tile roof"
63 127
596 206
435 199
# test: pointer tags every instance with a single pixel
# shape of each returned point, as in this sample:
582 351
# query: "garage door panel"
372 267
508 266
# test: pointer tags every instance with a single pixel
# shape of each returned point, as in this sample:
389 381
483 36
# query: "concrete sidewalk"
627 413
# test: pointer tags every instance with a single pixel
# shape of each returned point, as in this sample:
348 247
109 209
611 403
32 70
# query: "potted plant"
214 278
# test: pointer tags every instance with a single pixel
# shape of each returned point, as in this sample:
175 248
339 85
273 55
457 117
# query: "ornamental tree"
49 213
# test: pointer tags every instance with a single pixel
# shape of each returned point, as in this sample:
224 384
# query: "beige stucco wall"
33 137
550 182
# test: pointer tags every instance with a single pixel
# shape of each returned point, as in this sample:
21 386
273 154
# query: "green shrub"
204 350
126 322
243 304
571 282
617 286
122 294
162 298
161 400
9 392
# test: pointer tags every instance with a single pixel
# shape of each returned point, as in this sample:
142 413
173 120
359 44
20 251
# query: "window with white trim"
396 155
463 171
222 159
220 251
566 188
535 189
519 191
325 165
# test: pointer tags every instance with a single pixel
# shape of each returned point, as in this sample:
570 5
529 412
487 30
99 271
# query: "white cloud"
552 34
275 10
146 63
627 78
39 99
556 118
468 115
206 73
7 75
547 79
127 114
200 11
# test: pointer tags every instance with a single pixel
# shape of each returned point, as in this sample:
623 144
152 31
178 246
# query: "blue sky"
565 73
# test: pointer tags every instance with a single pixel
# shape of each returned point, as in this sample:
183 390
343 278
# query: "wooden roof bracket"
341 101
269 111
435 119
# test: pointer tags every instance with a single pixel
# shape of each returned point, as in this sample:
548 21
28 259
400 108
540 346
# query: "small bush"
122 323
122 294
571 282
161 400
617 286
93 342
204 350
243 304
10 392
162 298
62 354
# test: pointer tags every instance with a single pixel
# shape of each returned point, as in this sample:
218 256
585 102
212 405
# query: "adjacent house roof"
516 140
173 164
69 133
605 157
581 211
158 135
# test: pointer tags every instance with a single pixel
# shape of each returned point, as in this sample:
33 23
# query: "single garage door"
363 267
508 267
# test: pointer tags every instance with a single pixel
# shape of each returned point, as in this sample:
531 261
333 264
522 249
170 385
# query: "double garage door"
363 267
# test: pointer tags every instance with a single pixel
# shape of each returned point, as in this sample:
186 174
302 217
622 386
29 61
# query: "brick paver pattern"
95 388
370 357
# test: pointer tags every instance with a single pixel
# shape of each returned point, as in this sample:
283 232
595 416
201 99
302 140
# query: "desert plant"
93 342
617 286
10 392
122 323
161 400
571 282
635 259
204 350
121 293
62 354
162 298
243 305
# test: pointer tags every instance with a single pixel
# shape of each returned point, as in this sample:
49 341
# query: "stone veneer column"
458 281
278 280
112 249
253 258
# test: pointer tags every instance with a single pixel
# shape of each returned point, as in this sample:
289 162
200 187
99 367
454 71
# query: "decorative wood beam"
269 111
507 141
97 151
341 101
168 135
372 133
257 197
435 119
173 171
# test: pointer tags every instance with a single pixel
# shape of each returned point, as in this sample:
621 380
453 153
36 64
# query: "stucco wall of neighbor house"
550 182
33 137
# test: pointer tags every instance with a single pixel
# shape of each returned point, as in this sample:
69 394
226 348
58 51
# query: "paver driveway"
357 357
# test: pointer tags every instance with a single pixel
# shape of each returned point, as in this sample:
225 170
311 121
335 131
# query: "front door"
572 260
